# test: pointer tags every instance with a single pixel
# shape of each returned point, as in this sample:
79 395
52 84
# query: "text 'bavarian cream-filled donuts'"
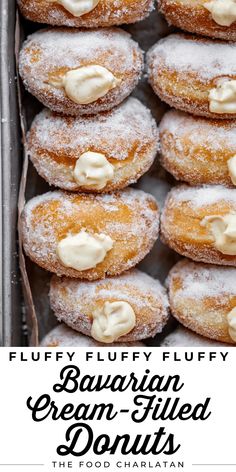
198 150
214 18
63 336
196 75
203 298
200 223
85 13
80 72
127 308
98 153
88 236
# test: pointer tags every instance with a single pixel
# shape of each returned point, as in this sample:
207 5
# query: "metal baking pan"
10 153
35 281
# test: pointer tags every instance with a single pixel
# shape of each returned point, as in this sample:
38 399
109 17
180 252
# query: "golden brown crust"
127 136
193 17
201 296
183 69
74 302
106 13
184 211
130 218
49 54
197 150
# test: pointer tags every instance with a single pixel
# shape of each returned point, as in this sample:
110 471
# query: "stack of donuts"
196 76
91 142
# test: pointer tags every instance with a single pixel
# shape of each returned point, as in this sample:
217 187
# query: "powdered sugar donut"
127 308
198 150
88 236
200 223
78 72
98 153
214 18
88 14
203 298
194 74
63 336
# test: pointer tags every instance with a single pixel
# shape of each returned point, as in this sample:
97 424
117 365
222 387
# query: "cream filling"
93 170
222 99
87 84
78 7
223 230
231 318
232 169
223 11
113 320
84 251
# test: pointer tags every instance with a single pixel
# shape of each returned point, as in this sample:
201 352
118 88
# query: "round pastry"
127 308
88 236
198 150
98 153
63 336
214 18
194 74
183 337
203 298
200 223
85 13
80 72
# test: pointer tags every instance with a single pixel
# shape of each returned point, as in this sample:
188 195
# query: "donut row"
90 142
92 237
76 72
124 144
202 298
197 75
214 18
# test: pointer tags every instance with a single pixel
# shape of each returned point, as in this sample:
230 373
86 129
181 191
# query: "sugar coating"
50 51
210 134
63 336
114 132
107 13
199 281
209 59
73 301
183 337
140 281
204 195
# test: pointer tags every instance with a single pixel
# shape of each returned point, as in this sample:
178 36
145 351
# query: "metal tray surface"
10 170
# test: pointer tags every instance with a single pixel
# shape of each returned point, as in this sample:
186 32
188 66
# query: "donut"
195 75
63 336
98 153
80 72
183 337
198 150
86 14
89 236
203 299
214 18
127 308
200 223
